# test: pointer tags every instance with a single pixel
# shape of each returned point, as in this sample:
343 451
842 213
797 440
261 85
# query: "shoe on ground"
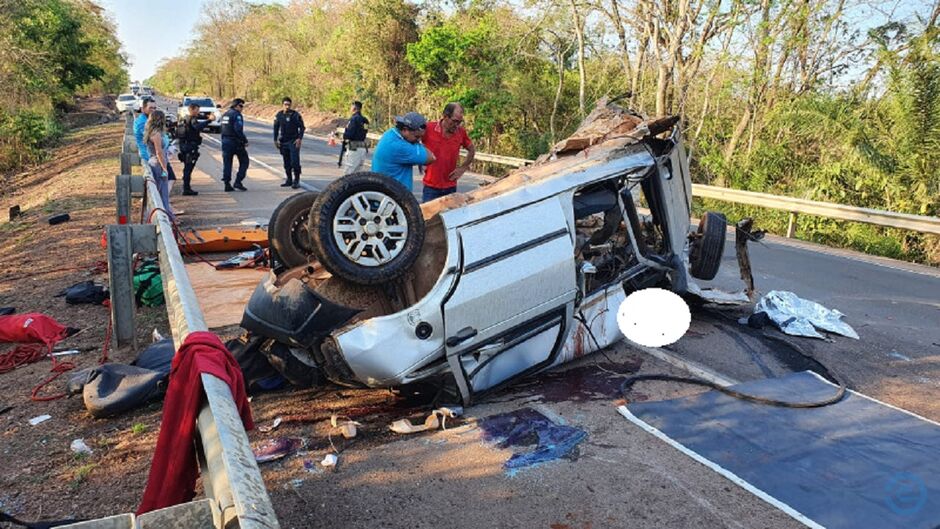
286 184
240 187
228 188
295 185
190 192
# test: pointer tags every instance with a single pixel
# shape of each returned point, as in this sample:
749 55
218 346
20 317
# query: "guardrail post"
791 227
122 184
121 281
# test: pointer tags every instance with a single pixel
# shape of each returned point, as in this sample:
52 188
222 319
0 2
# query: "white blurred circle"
654 317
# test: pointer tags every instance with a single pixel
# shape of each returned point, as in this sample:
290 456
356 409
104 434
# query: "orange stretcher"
224 239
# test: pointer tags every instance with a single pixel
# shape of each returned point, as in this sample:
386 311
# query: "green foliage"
50 50
872 142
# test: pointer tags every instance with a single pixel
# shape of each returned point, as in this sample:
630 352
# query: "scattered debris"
800 317
14 212
330 460
311 466
277 448
84 292
5 409
79 447
270 427
59 219
157 337
39 419
249 259
525 427
437 418
68 352
348 428
899 356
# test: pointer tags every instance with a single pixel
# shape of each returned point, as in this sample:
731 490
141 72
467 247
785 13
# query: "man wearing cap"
399 149
234 142
444 138
288 135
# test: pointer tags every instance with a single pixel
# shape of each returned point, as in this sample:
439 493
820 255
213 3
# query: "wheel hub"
370 228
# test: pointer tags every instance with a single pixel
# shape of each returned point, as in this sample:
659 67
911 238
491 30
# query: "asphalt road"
894 307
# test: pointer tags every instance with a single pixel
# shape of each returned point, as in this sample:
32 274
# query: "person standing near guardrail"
190 139
354 140
444 138
157 142
288 135
400 149
146 106
234 143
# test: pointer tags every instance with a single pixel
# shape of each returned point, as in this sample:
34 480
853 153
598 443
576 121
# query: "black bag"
85 292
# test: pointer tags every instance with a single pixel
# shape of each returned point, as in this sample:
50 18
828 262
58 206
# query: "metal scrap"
799 317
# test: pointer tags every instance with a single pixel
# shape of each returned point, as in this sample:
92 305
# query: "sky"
152 30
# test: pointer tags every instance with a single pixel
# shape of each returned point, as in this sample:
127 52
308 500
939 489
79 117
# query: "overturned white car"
472 291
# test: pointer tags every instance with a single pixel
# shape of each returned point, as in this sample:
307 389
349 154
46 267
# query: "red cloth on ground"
173 472
31 328
446 151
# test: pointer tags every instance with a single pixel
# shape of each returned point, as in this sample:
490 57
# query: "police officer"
354 138
288 135
234 142
188 133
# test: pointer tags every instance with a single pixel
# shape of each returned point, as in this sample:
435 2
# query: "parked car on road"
127 103
471 291
206 107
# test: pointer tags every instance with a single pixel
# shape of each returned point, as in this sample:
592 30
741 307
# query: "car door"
512 303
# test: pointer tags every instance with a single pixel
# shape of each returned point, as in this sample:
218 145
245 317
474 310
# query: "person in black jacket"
234 142
354 138
188 134
288 135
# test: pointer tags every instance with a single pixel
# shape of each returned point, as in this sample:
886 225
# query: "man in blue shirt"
146 106
400 149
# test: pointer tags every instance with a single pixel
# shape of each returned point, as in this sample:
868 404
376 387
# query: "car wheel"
708 246
288 231
366 228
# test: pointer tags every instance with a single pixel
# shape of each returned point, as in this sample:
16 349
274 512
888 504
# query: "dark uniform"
288 128
188 133
354 137
233 145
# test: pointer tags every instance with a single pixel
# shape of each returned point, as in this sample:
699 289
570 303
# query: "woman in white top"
158 141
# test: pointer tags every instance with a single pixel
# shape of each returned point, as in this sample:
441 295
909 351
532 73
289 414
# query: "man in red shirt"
444 138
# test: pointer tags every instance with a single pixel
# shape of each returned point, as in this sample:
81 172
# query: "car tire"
288 232
708 246
353 246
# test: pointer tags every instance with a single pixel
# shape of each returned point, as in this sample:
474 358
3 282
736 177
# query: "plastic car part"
288 231
292 314
367 228
708 246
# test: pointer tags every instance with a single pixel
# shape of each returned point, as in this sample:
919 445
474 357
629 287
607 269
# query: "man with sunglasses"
444 138
400 149
288 135
234 142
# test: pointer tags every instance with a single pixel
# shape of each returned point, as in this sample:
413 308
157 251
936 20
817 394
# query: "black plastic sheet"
856 464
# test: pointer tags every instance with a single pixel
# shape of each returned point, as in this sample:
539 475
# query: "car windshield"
126 97
200 102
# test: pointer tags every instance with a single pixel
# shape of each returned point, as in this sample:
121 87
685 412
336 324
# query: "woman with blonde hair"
158 141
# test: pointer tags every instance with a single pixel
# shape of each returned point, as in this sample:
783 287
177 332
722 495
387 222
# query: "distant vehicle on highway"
206 106
134 88
146 90
127 103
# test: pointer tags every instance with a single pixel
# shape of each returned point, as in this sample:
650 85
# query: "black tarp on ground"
857 464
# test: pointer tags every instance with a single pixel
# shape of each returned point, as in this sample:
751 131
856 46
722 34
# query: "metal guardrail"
231 477
877 217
